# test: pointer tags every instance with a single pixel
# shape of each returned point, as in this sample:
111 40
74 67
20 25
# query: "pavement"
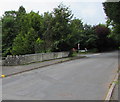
12 70
81 79
115 91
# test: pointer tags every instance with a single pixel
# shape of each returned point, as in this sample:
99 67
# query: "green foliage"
8 33
24 43
39 45
76 34
47 33
90 37
27 33
21 10
112 10
93 50
72 53
61 19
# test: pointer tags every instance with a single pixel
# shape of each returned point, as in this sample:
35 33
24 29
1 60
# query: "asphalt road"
82 79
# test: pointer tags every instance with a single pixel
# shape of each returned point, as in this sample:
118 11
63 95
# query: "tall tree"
47 33
112 10
20 16
102 32
75 37
90 37
30 30
62 17
10 28
9 31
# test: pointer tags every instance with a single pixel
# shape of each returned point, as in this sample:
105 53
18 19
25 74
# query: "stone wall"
25 59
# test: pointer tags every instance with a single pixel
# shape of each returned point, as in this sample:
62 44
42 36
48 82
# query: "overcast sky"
90 11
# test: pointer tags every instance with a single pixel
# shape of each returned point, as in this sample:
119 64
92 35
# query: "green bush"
93 50
72 53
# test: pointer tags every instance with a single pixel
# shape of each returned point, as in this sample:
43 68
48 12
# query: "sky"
89 11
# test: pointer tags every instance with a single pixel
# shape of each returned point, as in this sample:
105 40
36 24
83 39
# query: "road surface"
82 79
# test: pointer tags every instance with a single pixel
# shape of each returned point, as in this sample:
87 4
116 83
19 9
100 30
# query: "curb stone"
26 70
112 86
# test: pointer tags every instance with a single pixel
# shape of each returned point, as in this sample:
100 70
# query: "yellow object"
2 76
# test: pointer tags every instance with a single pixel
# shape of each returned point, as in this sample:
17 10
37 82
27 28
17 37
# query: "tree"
102 31
61 18
39 45
75 37
90 37
24 44
11 13
29 20
112 10
30 30
102 41
9 31
47 32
